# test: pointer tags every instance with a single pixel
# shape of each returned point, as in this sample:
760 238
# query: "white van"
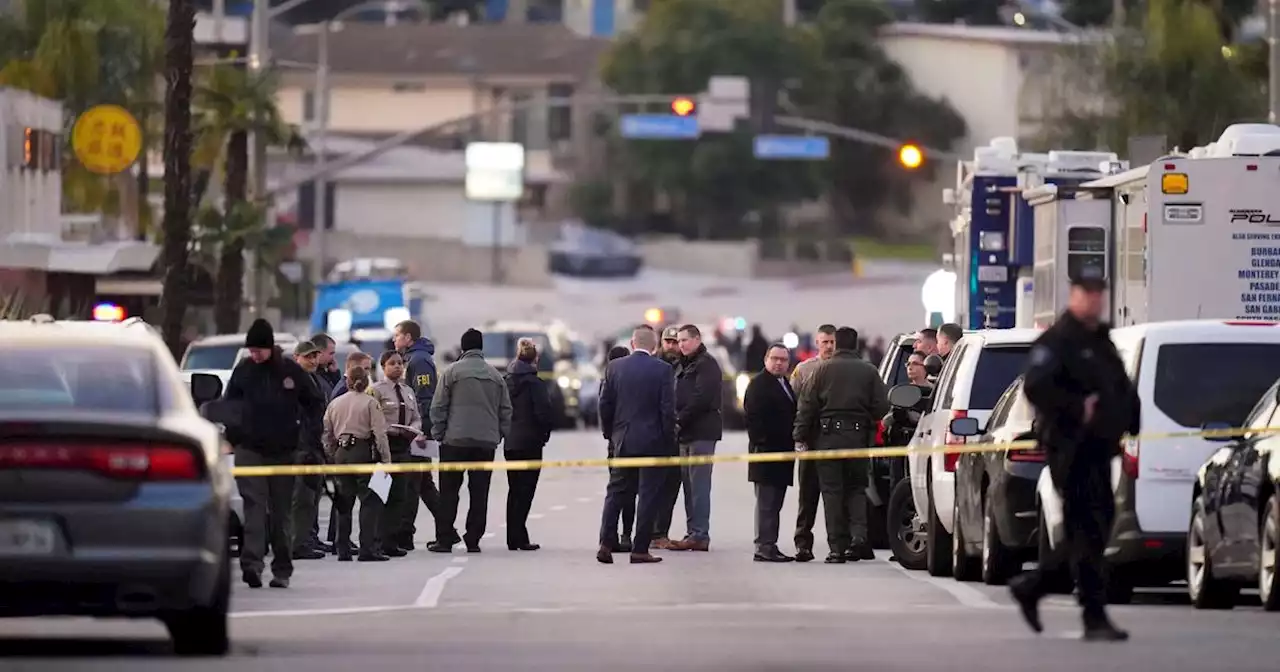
1189 374
980 368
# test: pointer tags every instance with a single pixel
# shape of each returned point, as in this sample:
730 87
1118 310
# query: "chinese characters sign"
107 139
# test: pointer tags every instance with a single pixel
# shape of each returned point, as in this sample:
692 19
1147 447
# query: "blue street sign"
806 147
659 127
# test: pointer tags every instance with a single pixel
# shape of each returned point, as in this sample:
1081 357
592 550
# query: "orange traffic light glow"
910 156
683 106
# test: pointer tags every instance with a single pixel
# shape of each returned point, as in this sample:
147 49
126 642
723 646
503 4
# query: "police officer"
809 491
355 432
838 409
1084 404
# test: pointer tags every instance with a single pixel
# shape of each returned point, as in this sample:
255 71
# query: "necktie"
400 398
785 389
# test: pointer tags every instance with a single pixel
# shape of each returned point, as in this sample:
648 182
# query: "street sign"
106 139
495 171
659 127
803 147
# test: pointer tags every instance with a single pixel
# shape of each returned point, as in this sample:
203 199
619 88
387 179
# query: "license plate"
27 537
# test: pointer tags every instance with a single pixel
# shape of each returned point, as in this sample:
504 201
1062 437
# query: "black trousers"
521 487
268 514
769 499
843 484
419 487
397 499
451 489
807 507
669 493
352 488
1088 511
629 507
306 500
653 485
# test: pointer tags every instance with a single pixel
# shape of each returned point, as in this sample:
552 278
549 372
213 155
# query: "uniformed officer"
355 432
1084 403
838 409
807 470
404 425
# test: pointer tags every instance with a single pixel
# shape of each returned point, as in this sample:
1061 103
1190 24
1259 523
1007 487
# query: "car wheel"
1054 575
908 539
202 631
996 558
1205 591
1269 548
963 566
938 543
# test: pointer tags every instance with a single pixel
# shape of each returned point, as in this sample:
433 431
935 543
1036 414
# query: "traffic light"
910 156
683 107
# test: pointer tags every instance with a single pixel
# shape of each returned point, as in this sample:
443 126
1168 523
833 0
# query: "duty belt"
842 423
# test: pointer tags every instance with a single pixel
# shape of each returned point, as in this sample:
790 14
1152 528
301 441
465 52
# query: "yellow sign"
106 139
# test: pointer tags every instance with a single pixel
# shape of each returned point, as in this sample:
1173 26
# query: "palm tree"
179 52
232 104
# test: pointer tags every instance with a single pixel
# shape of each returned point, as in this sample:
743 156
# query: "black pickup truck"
887 471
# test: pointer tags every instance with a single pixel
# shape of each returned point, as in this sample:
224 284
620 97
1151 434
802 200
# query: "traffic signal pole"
865 137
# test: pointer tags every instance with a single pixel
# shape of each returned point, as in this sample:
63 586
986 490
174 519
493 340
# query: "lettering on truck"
1261 297
1253 216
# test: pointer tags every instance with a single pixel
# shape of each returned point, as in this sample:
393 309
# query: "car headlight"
577 383
741 384
563 381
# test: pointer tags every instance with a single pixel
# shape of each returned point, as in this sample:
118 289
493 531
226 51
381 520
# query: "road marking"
966 595
583 500
487 535
536 516
290 613
559 507
460 561
430 595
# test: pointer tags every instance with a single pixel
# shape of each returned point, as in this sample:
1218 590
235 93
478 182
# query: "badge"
288 383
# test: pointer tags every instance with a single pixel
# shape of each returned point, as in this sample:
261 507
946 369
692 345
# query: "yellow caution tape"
680 461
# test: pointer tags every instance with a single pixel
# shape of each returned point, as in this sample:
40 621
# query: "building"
48 262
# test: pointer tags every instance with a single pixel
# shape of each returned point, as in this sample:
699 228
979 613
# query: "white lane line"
583 500
536 516
324 612
487 535
559 507
430 595
460 561
966 595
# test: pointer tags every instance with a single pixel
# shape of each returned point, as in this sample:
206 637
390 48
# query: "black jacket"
530 409
699 383
845 388
277 401
771 413
1068 363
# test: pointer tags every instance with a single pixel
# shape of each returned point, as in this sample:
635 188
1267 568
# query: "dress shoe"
859 551
691 545
252 579
393 552
1024 593
804 555
371 557
473 548
772 555
604 556
406 547
345 557
834 558
437 547
309 554
328 548
523 547
644 559
279 582
663 544
1105 632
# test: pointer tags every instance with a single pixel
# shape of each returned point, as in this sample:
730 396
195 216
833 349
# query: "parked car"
1233 539
594 253
1189 374
893 527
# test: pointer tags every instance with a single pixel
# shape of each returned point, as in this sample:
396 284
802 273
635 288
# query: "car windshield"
998 366
211 357
502 345
1197 383
94 379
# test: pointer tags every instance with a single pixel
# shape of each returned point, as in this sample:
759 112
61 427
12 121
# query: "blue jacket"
638 406
420 373
339 389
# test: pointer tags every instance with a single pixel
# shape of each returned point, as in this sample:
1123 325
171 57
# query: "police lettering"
1258 275
1253 217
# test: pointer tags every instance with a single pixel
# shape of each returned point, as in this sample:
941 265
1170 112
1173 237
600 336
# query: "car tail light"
880 432
1025 455
125 461
1129 458
950 460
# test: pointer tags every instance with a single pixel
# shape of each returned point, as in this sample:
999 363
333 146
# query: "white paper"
424 448
380 484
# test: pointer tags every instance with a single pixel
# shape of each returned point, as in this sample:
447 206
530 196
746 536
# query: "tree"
234 103
713 183
179 47
1169 74
1229 13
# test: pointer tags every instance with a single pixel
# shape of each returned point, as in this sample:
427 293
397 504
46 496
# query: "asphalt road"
557 609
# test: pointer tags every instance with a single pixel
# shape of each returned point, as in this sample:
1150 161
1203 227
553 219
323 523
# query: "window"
1260 416
94 379
947 378
898 374
1197 383
560 114
998 367
1000 413
520 118
216 357
308 105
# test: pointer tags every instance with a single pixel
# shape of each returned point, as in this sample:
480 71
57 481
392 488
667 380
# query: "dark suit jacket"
638 406
771 415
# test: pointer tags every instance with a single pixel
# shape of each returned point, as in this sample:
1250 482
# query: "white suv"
981 366
1189 374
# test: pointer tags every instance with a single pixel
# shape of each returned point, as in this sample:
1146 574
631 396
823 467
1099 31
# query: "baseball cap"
671 334
1090 278
305 348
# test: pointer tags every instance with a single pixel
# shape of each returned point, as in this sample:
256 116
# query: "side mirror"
905 396
205 387
1219 431
965 427
933 365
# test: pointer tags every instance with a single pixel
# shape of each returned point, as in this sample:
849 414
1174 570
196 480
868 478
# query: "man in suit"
638 415
770 406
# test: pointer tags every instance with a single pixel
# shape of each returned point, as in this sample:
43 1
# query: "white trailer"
1193 235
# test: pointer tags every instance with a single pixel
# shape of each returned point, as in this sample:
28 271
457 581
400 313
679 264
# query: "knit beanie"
472 340
260 335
